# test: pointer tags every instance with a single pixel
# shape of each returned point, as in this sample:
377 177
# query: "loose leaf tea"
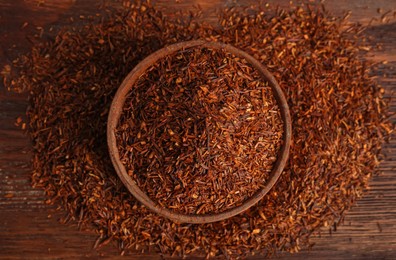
200 131
338 114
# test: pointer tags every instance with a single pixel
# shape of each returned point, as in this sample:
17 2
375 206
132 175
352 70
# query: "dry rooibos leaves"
339 124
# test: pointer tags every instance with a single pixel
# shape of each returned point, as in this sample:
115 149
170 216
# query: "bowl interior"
117 108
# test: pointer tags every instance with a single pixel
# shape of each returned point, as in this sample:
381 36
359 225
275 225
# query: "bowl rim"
116 110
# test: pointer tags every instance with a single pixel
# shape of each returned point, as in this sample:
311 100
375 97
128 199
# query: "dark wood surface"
30 229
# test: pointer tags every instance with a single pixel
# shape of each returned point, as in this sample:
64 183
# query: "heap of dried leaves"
339 125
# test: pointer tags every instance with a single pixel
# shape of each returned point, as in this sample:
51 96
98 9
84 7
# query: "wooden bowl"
117 108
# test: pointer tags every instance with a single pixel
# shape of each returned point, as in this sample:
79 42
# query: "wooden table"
30 229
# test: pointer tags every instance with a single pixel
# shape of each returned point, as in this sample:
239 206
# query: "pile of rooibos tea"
200 131
339 124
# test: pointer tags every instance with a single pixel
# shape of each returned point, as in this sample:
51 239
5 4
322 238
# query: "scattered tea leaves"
338 113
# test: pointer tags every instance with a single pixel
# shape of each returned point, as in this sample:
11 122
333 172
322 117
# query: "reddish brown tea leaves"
339 124
200 131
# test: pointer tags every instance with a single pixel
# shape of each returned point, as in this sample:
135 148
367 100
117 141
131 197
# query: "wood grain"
29 228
